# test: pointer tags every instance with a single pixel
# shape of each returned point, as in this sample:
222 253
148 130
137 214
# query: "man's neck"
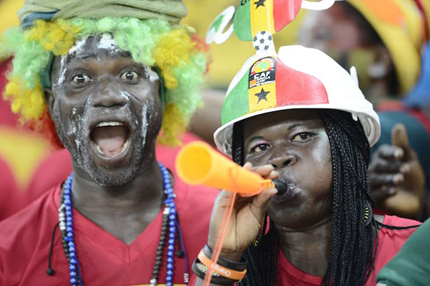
134 204
308 249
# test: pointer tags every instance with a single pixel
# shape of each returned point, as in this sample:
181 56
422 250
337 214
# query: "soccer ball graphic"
263 41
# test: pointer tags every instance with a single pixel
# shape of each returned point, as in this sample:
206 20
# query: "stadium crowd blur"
385 40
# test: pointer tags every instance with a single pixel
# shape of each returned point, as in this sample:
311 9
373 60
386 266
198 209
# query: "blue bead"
172 229
172 223
171 241
172 236
72 249
70 234
73 273
71 244
69 229
173 211
66 239
168 279
171 248
72 267
73 280
170 254
172 205
69 223
67 197
73 261
69 213
72 254
169 284
170 260
170 267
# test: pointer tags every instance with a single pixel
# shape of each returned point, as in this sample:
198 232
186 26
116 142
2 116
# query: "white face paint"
144 124
153 76
125 95
108 43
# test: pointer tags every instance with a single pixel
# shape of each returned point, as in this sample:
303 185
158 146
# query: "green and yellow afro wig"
173 49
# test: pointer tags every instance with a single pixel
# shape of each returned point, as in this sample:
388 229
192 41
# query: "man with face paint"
106 80
384 41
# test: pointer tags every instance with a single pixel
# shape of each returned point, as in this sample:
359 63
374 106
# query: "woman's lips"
286 194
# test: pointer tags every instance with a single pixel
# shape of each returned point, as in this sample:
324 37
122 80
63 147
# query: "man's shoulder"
26 225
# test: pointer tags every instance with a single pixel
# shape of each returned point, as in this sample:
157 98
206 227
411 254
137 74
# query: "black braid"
353 245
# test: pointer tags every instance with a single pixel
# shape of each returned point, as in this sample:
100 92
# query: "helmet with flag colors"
295 78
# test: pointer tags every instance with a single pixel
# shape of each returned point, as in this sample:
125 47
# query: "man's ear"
50 99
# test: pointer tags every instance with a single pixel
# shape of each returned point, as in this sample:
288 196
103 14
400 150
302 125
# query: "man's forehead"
93 46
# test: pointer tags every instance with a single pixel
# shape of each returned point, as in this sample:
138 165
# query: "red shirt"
25 239
390 242
10 198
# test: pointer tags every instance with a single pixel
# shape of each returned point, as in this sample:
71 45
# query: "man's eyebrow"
88 55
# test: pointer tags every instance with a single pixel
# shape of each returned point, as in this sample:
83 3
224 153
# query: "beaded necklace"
170 224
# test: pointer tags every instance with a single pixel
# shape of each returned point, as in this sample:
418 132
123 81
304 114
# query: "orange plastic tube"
198 164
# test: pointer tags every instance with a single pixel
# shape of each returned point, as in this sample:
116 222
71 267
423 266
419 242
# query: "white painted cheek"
144 124
125 95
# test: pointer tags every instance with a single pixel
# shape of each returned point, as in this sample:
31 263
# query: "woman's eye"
260 148
81 79
302 137
130 75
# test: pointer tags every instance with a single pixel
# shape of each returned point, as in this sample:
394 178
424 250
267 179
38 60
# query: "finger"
273 175
399 138
260 203
383 166
381 194
264 170
388 152
247 166
378 180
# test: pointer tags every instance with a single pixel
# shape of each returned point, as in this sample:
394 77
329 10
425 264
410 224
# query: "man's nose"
108 95
282 158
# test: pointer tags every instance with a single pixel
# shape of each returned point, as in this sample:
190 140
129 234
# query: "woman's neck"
307 249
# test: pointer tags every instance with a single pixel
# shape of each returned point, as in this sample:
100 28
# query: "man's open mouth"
111 139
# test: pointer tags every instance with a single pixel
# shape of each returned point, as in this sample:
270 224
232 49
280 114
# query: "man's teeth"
104 124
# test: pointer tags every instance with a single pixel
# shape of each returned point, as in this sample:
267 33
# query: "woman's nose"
283 160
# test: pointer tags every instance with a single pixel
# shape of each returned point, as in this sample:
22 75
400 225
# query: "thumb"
399 138
260 203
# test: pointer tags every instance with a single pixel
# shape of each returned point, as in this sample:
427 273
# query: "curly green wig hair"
179 56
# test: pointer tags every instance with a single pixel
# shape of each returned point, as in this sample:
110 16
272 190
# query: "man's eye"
260 148
302 137
81 79
130 75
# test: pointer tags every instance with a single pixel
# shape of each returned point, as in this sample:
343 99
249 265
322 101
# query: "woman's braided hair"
353 243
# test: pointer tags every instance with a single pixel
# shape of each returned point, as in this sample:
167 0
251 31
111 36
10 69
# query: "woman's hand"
246 219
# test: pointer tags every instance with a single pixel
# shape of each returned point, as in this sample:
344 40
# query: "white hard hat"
295 78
